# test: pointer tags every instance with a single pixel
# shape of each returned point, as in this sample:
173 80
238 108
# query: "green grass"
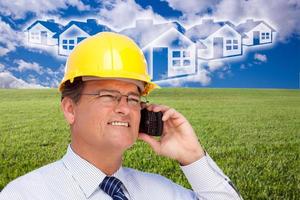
253 135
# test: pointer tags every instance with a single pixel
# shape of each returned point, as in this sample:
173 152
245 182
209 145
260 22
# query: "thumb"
155 145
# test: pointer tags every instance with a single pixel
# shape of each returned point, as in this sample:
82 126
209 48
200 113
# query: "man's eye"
133 100
107 97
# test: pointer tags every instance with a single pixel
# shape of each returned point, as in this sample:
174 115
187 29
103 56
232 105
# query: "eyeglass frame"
118 98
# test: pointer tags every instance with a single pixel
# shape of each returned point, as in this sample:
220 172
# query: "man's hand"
178 140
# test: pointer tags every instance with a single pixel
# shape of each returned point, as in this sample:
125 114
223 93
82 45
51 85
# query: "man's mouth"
118 123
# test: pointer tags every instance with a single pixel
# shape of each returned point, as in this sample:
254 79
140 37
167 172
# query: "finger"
162 108
169 129
157 108
150 107
171 113
151 141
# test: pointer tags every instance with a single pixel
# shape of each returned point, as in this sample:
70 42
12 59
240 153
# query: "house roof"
250 24
208 27
51 25
179 40
90 26
145 31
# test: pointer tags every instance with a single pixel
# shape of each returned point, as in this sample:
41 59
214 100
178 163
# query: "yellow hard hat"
108 55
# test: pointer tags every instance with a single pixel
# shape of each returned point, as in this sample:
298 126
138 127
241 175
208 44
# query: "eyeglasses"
113 97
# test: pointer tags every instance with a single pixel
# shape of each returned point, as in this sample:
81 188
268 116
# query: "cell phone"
151 122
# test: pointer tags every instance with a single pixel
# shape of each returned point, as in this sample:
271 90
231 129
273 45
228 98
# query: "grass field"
253 135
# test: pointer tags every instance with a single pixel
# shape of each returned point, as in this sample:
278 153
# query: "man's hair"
72 90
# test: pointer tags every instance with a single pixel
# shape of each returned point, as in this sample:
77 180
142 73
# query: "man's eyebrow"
110 90
133 93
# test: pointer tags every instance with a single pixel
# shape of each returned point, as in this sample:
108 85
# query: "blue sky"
270 66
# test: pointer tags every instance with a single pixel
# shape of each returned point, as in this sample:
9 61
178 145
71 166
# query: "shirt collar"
85 174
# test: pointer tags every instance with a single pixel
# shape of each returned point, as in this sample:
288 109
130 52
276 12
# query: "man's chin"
124 141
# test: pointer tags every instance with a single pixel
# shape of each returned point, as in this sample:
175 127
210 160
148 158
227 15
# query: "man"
105 77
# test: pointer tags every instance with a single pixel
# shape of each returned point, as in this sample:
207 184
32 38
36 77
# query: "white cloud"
7 80
123 13
214 65
260 57
53 78
243 66
116 14
226 71
2 67
191 6
9 39
24 66
45 76
192 10
203 77
283 15
31 79
19 9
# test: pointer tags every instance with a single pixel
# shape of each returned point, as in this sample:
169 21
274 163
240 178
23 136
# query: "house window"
68 44
235 44
176 54
228 45
231 44
176 63
186 54
181 58
35 35
265 36
186 62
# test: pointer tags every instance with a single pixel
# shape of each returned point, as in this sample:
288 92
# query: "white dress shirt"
73 178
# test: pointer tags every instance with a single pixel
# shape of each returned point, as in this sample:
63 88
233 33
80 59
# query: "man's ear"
68 107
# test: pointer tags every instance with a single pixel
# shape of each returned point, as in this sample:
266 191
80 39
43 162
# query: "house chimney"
144 22
207 21
50 20
91 21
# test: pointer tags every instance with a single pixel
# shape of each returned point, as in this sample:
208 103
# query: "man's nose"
122 106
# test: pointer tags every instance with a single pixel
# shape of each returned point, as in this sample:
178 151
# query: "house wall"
174 41
72 33
249 40
227 33
185 68
261 28
148 56
206 53
34 35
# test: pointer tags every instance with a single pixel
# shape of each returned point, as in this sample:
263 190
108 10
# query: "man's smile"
119 123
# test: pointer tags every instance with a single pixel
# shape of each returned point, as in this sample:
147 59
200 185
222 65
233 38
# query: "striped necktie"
112 186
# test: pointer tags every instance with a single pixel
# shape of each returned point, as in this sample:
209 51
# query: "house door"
44 37
256 38
160 63
218 47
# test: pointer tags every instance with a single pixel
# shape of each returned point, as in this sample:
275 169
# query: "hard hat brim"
138 83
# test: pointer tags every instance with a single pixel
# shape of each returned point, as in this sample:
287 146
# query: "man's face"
99 125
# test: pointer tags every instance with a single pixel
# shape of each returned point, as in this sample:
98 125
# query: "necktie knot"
112 186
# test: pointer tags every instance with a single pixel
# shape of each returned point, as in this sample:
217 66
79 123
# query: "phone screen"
151 123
